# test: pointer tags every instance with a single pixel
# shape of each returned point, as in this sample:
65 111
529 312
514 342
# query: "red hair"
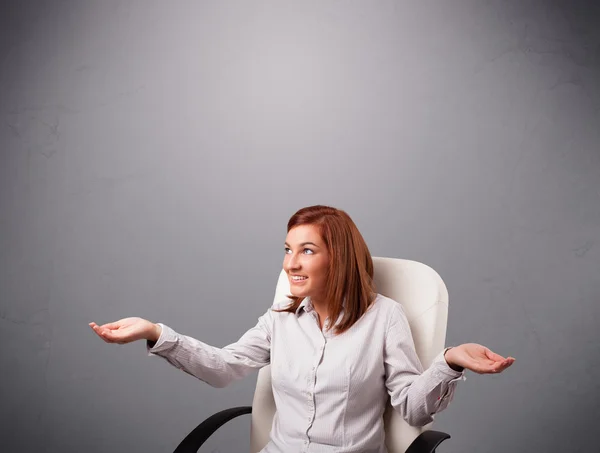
350 272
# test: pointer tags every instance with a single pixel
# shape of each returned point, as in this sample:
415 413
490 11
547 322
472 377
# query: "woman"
337 348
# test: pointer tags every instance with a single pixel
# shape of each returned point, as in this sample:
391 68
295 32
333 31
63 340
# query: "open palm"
127 330
478 358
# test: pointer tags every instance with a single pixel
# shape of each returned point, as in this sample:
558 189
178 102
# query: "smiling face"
306 262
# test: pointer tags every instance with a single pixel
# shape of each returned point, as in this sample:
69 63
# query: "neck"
321 307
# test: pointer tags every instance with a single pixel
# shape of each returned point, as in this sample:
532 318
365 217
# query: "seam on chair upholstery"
428 309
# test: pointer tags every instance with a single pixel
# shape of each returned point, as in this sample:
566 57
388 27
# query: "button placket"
312 382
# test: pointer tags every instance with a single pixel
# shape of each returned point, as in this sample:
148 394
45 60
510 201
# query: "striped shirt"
330 390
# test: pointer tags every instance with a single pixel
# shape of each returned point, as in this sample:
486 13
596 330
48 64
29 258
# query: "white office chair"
424 298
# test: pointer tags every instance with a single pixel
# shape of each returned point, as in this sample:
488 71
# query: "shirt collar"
305 305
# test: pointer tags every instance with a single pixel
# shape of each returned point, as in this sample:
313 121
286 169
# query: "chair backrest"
424 298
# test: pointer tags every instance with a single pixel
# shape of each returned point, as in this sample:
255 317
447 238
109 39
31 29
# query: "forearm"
215 366
426 394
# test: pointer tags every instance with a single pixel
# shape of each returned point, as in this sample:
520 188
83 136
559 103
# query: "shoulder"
272 316
387 310
386 305
281 303
279 309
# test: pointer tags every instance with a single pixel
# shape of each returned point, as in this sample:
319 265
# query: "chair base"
194 440
426 442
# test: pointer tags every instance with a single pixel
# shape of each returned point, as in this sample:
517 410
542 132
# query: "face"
306 261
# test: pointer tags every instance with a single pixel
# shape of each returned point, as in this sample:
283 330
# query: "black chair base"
426 442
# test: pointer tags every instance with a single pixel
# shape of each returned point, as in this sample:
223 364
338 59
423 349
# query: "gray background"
152 152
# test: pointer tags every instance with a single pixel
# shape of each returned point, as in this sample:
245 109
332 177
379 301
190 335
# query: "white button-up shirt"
330 390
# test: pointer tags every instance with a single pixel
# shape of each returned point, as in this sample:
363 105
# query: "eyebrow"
305 243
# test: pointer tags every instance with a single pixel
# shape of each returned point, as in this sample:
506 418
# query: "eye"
287 250
308 251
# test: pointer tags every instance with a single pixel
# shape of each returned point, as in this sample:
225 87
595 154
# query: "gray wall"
152 152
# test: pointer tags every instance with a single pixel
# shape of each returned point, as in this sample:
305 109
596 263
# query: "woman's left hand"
477 358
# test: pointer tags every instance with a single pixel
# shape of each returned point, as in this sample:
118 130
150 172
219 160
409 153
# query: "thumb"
493 356
113 325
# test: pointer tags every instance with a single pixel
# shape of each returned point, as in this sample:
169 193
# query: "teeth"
298 278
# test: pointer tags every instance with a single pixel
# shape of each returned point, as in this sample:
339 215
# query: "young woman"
337 349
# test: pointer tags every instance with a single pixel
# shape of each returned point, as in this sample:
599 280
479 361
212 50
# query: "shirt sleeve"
415 393
217 367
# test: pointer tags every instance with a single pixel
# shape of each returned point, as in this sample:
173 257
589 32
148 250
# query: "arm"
415 393
216 366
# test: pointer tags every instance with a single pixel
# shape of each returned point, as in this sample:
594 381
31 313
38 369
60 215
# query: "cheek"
321 272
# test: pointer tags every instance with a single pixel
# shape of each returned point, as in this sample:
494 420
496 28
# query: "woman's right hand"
127 330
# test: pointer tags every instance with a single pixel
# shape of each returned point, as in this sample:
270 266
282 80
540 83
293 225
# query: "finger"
97 332
505 363
501 366
107 335
508 362
122 336
112 325
493 356
483 366
96 328
489 370
112 335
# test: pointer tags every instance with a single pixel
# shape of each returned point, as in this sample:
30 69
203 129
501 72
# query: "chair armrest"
427 442
194 440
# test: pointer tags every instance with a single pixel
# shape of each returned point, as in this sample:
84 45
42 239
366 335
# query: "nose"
291 263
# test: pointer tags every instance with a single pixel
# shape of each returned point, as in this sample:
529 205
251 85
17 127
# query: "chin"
298 293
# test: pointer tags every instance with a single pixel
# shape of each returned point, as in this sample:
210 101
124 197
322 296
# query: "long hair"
350 272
